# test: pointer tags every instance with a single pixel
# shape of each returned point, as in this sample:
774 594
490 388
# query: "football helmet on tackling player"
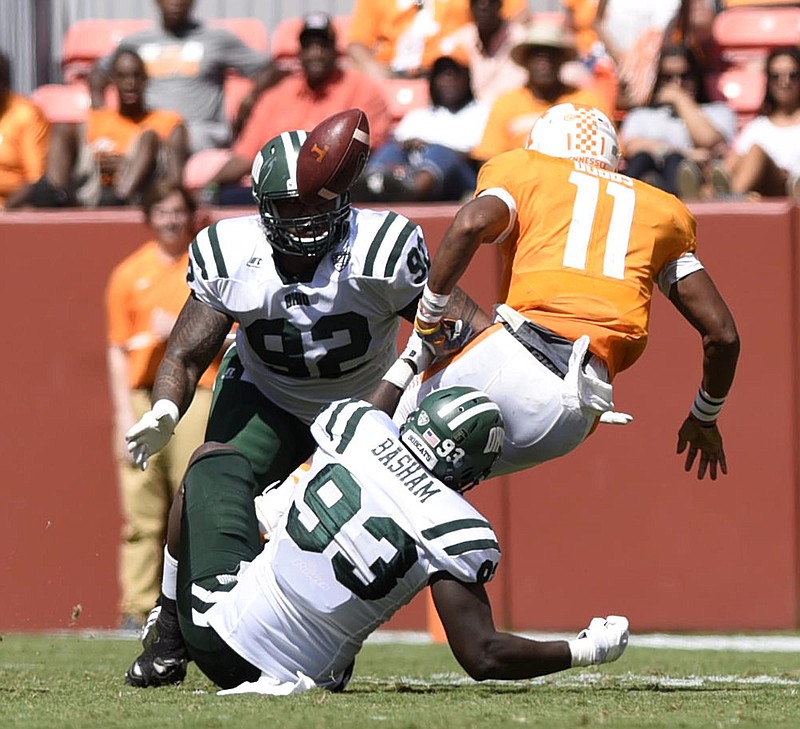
576 131
456 433
274 179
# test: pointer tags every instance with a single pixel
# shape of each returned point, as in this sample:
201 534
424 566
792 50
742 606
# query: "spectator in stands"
187 61
671 142
145 293
633 32
766 155
320 87
117 153
428 157
24 134
542 53
390 38
594 65
485 44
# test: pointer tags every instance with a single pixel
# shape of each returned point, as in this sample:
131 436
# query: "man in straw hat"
542 53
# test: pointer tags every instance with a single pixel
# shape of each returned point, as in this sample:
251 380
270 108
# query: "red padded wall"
617 526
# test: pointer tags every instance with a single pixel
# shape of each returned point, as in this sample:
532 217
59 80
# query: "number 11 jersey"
585 247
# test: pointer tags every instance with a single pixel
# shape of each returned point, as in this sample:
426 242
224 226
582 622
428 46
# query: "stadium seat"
251 30
286 41
745 35
62 102
742 88
405 94
202 166
87 40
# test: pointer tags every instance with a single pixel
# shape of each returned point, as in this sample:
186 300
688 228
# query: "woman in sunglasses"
766 155
668 142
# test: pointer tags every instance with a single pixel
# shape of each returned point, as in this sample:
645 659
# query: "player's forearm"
176 381
509 657
720 356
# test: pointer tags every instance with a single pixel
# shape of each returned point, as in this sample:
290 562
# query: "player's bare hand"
697 438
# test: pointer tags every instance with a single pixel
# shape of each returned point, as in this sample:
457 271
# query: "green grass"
76 682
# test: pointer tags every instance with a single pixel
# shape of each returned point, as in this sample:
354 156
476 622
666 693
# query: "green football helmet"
274 178
457 434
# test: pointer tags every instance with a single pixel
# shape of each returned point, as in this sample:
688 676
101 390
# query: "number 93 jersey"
585 247
366 529
305 343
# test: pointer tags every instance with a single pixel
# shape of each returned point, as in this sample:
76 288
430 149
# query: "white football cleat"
608 637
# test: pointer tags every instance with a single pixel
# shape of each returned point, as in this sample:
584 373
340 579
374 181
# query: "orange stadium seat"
62 102
742 88
405 94
87 40
286 41
251 30
745 35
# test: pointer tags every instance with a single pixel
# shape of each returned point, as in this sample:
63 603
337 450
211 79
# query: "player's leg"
212 527
543 419
218 533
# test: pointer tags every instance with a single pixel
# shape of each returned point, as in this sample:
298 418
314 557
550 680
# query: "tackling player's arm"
697 299
482 651
195 340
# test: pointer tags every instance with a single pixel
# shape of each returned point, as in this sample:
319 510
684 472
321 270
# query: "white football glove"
413 359
152 432
417 353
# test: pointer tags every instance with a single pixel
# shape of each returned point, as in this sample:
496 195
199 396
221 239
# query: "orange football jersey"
586 249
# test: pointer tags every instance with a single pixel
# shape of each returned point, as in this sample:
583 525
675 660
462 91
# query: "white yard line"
744 643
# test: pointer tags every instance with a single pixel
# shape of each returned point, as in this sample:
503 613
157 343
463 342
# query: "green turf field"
76 682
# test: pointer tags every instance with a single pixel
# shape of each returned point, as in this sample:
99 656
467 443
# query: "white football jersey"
304 344
367 528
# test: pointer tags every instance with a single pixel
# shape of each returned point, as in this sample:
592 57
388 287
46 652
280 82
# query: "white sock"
582 650
169 577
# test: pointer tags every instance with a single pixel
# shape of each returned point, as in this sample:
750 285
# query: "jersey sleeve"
678 258
464 547
335 426
396 262
208 269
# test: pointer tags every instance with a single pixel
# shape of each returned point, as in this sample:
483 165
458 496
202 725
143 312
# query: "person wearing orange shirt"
583 247
402 37
117 153
543 52
24 134
303 99
145 294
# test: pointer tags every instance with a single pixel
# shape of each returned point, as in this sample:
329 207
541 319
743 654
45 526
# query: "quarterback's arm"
698 300
196 338
482 651
480 221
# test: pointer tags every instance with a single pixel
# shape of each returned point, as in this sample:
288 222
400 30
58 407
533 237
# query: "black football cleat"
164 658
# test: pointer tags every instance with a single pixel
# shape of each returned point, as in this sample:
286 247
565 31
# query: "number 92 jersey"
367 528
585 248
305 343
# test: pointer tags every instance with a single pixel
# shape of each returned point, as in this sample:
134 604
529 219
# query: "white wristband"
705 407
431 306
400 374
166 407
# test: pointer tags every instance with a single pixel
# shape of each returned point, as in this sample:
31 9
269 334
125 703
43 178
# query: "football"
332 156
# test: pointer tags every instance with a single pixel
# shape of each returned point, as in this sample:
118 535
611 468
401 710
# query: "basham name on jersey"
396 459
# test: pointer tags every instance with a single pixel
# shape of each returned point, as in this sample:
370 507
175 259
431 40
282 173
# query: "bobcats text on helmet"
576 131
457 434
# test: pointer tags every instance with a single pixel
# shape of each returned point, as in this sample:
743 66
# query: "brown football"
332 156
